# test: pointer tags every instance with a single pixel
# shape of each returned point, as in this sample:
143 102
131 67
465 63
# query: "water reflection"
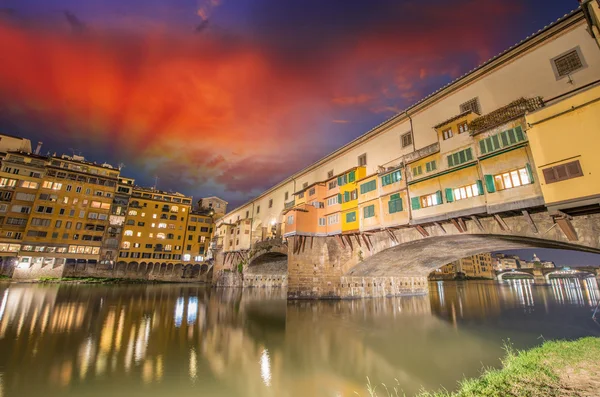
157 340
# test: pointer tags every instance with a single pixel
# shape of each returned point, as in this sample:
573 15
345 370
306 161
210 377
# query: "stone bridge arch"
576 272
521 272
267 265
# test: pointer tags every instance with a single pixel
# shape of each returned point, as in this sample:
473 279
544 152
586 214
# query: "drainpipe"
409 203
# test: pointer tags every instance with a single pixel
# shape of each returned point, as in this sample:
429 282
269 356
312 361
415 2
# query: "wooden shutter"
395 196
495 142
561 172
511 136
433 165
449 195
489 183
450 161
415 203
351 176
482 147
529 172
469 154
428 167
549 175
519 133
574 169
439 197
480 186
339 198
504 138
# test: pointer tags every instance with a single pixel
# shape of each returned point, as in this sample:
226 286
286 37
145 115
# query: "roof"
456 83
505 114
451 119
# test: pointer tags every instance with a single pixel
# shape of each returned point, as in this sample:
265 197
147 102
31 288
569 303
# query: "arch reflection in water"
144 339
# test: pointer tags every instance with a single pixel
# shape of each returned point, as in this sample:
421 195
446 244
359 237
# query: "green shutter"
488 144
339 179
340 198
395 196
352 176
351 216
511 136
469 154
450 161
365 212
428 167
395 206
449 195
489 183
415 203
495 142
504 137
346 197
439 197
433 165
519 132
529 172
398 176
482 147
480 186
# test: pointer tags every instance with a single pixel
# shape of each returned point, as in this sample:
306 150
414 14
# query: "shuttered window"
395 203
368 187
388 179
351 217
461 157
430 166
369 211
501 140
562 172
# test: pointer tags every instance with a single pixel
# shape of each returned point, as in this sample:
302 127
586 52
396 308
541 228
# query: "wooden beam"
358 240
303 242
312 238
477 223
456 225
462 223
339 237
440 226
422 230
350 242
529 220
366 242
501 222
567 228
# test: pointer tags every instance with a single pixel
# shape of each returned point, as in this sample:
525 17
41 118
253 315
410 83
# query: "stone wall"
227 279
7 266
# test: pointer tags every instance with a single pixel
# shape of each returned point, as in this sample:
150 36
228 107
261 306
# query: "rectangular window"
351 217
270 203
333 184
332 200
463 127
514 178
463 192
406 139
471 105
430 166
286 197
501 140
290 219
304 185
333 219
369 211
258 209
461 157
395 203
416 171
312 191
393 177
562 172
447 134
431 199
321 221
368 187
329 174
567 63
362 160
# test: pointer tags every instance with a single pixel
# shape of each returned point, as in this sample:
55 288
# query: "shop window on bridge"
351 217
430 166
416 171
464 192
461 157
290 220
368 187
562 172
428 200
509 179
369 211
395 203
501 140
394 177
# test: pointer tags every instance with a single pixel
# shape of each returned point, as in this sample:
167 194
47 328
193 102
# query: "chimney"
39 147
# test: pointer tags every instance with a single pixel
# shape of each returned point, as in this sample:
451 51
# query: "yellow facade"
197 237
564 142
155 226
349 195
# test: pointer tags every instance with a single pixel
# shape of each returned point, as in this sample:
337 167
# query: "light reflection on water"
165 339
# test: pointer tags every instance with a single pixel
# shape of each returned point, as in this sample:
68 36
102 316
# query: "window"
567 63
471 105
332 200
47 184
406 139
126 245
312 191
514 178
463 127
286 197
562 172
333 184
463 192
431 199
369 211
132 213
270 203
333 219
351 217
304 185
368 186
247 214
461 157
447 134
502 139
290 219
29 185
416 171
25 196
362 160
162 225
40 222
329 174
258 209
394 177
321 221
5 182
430 166
128 233
395 203
342 180
161 235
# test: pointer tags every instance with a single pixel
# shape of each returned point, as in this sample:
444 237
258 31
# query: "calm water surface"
159 340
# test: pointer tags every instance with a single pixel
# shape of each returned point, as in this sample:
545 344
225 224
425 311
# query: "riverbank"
555 369
90 280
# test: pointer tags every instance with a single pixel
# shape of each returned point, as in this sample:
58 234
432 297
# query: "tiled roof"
451 119
506 113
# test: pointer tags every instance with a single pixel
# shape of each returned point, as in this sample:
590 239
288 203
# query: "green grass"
3 277
539 372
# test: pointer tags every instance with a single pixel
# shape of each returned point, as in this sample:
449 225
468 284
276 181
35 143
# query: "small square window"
568 63
330 174
471 105
406 139
362 160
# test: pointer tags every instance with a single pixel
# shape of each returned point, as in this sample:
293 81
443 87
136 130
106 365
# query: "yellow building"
198 236
69 214
564 142
349 198
155 227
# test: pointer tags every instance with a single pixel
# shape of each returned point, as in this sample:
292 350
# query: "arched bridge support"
396 261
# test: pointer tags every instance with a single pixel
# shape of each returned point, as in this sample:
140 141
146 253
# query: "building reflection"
253 342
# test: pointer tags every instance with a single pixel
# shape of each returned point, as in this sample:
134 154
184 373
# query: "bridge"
543 275
481 165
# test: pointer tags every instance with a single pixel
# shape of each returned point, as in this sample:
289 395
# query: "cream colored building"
553 62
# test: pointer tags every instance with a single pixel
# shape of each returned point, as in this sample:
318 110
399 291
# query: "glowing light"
179 306
193 365
3 304
265 367
192 310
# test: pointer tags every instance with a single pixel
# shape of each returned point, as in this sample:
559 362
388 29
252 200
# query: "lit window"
174 208
153 216
128 232
162 225
161 235
132 213
512 179
126 245
139 234
430 200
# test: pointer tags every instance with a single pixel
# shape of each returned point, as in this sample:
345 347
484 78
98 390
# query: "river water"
184 340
